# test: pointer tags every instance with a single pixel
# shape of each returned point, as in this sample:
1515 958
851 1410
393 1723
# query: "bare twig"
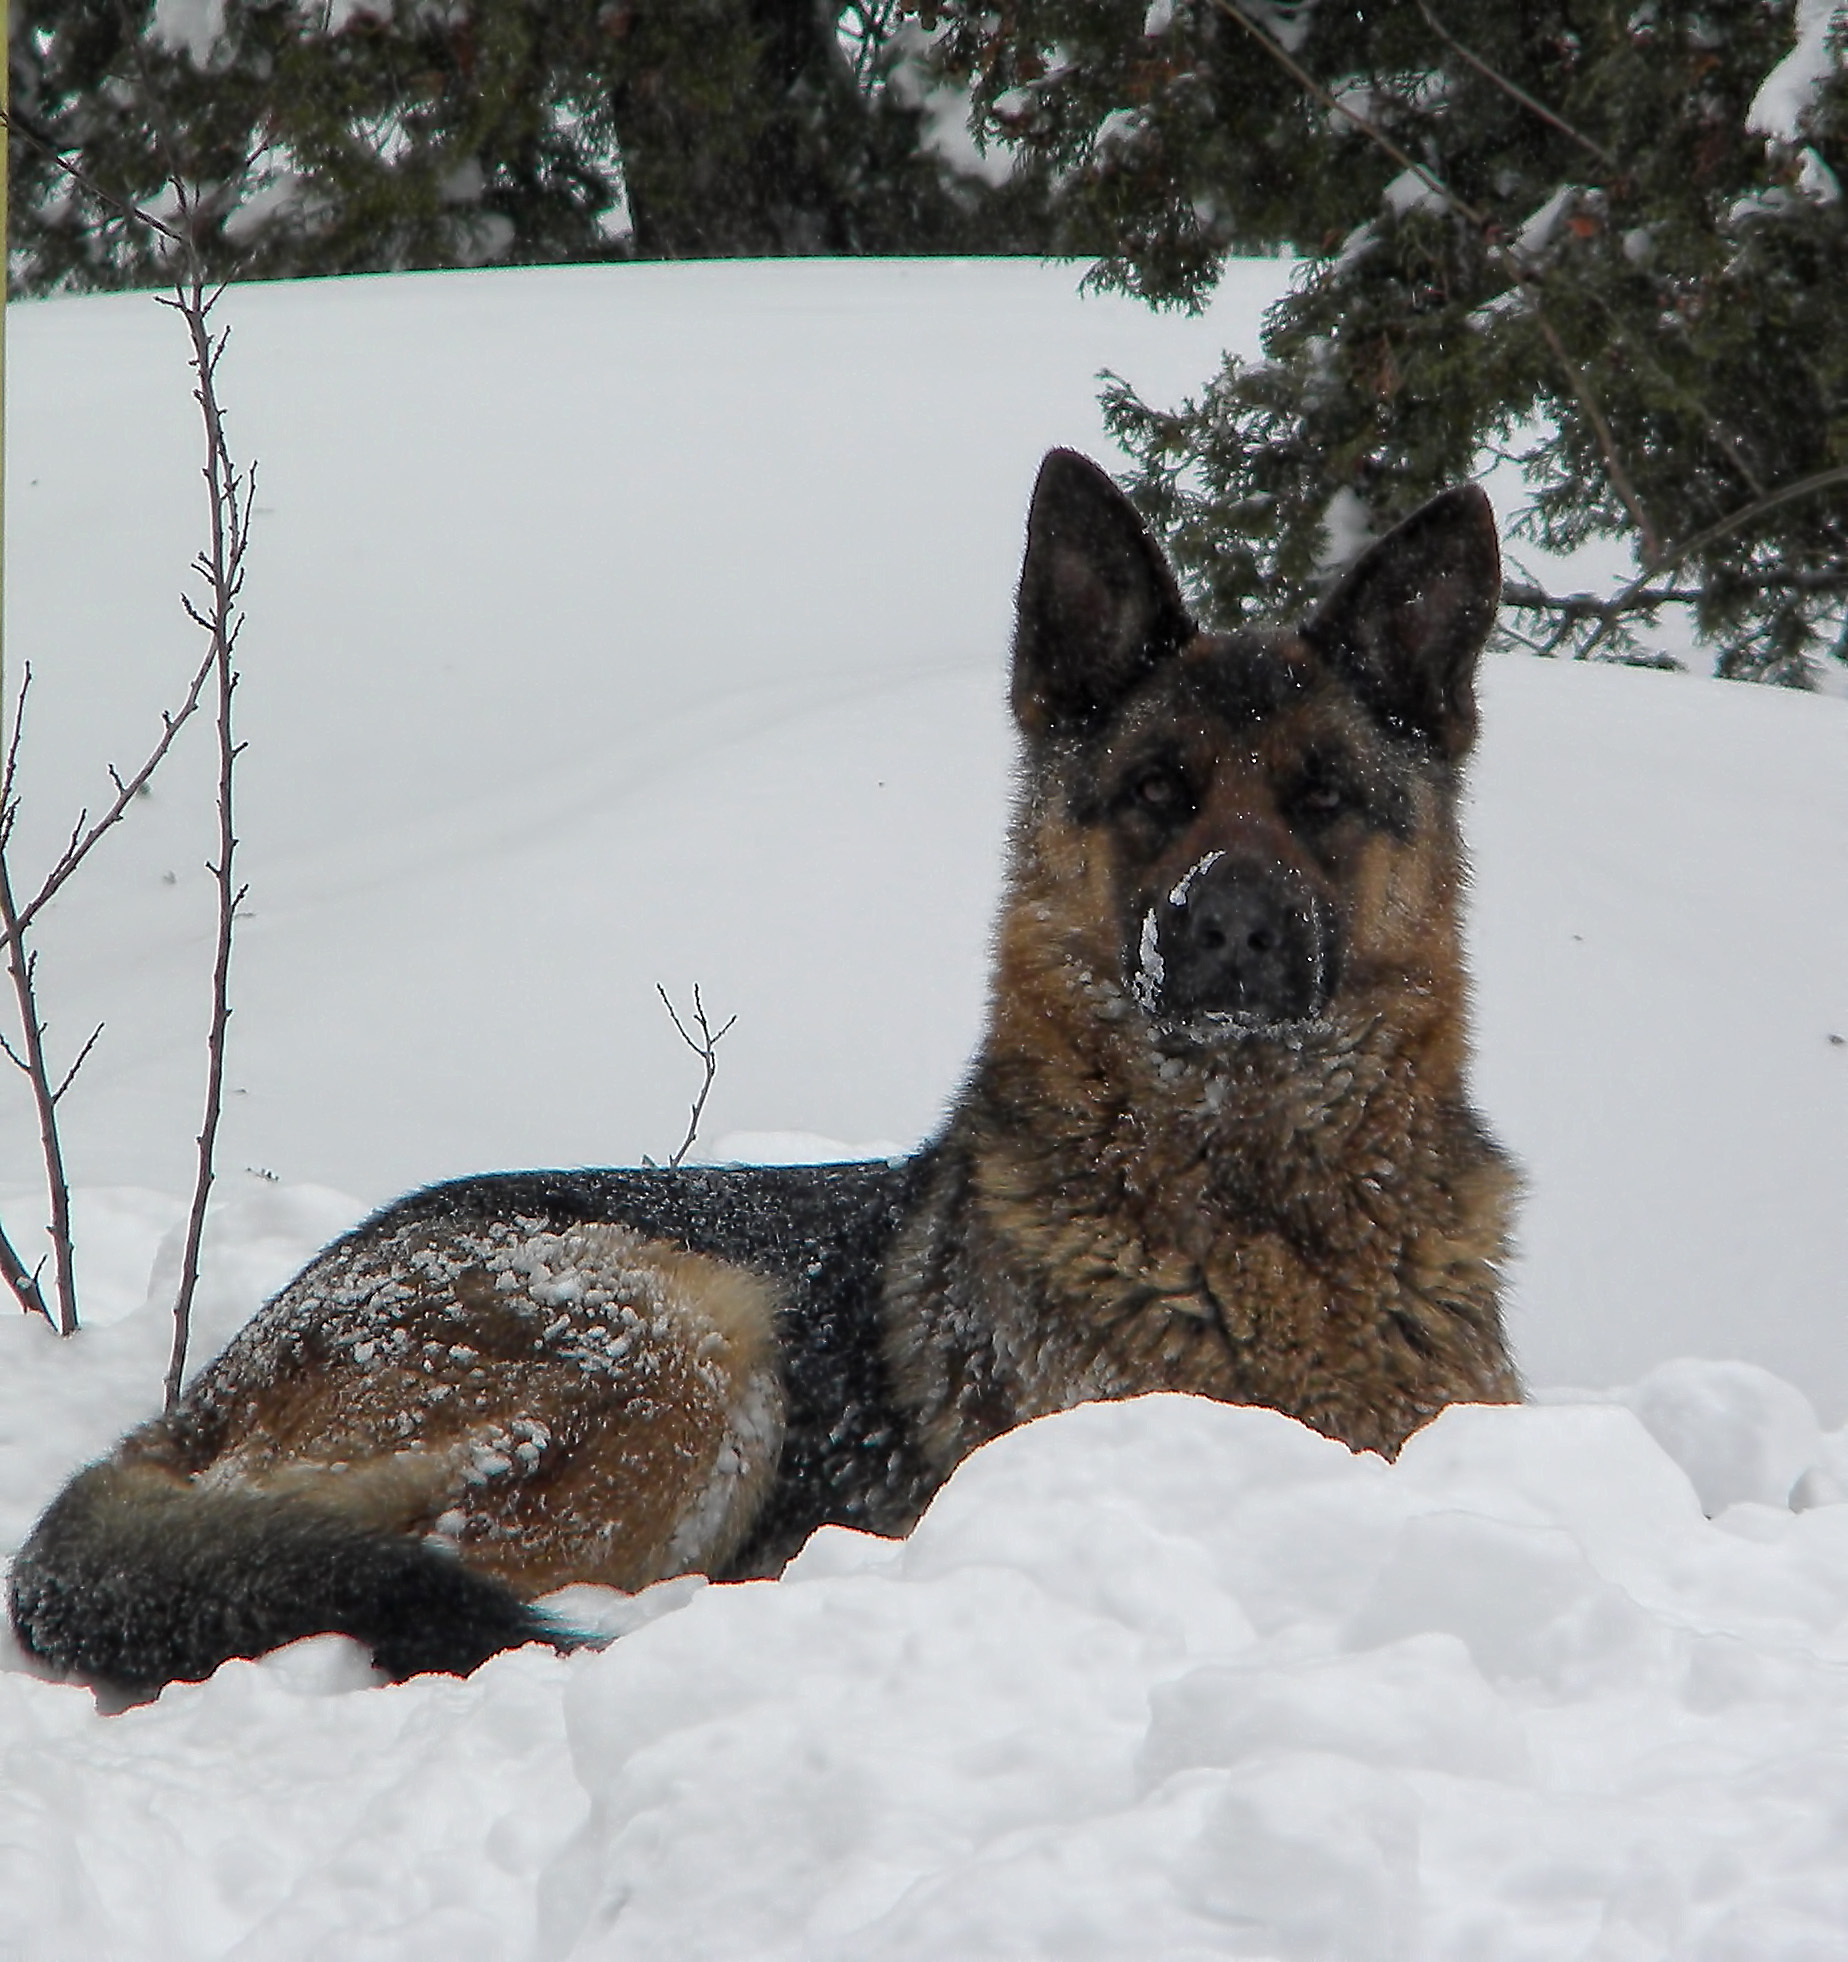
83 1056
706 1049
22 965
13 1270
22 968
9 770
83 841
221 566
231 495
23 1283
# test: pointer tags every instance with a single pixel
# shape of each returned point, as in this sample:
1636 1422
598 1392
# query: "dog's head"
1263 822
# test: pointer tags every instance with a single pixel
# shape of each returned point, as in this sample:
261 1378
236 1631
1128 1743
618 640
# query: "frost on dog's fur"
580 1404
1217 1139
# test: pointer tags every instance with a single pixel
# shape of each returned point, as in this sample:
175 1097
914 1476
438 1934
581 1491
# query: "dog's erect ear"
1408 621
1098 606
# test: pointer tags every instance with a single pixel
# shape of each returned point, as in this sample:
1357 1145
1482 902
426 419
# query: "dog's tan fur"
579 1406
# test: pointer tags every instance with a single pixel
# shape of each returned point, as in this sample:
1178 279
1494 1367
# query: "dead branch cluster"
219 567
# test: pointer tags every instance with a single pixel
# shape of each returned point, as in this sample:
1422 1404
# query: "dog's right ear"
1098 607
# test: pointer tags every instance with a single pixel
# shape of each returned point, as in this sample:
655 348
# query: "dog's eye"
1160 792
1321 798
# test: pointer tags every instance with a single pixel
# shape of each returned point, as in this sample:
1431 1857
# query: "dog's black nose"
1236 938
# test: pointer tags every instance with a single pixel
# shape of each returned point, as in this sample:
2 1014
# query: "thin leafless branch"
21 967
13 1271
83 1056
231 497
23 1282
10 119
706 1049
83 841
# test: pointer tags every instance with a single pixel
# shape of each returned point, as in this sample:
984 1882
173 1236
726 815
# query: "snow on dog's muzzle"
1236 939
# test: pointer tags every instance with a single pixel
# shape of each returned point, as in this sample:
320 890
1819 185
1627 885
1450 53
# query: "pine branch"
1594 414
1528 598
1514 91
1335 106
1524 275
1677 555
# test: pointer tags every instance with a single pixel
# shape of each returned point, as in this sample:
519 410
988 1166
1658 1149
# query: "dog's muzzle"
1236 941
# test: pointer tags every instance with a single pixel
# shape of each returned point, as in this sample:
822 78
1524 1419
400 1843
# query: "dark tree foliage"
1551 230
747 130
409 135
328 137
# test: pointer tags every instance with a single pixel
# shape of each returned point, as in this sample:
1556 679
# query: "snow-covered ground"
614 626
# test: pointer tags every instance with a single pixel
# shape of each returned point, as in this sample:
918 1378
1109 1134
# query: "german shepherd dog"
1217 1139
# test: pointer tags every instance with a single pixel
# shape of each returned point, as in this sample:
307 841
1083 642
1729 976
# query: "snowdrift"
1154 1679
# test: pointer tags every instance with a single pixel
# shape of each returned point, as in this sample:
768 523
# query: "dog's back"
1218 1139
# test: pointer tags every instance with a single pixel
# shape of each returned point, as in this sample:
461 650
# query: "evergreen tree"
1607 239
329 136
325 138
766 127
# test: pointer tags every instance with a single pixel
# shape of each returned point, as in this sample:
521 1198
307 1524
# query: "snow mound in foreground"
1164 1678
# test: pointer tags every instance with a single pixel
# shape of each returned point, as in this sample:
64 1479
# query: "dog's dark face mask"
1240 783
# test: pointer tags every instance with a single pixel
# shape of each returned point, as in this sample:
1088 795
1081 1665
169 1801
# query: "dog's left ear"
1098 606
1407 623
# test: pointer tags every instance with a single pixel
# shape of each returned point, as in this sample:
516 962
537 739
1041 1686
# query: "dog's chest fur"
1305 1231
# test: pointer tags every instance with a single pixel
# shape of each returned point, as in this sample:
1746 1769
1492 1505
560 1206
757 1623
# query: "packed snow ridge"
1164 1678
